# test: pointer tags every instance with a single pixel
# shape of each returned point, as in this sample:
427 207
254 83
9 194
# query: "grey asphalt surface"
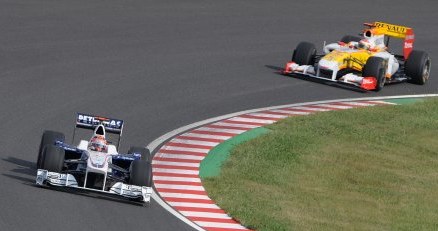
158 65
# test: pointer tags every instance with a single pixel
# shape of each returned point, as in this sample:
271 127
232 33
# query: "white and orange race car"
363 62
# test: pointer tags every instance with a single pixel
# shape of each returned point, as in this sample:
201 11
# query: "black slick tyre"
350 38
144 152
304 54
375 67
417 67
53 158
48 138
140 173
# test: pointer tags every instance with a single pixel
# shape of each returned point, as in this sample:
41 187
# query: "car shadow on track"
22 167
275 68
278 71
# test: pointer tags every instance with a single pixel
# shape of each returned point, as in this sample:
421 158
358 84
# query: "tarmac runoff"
198 150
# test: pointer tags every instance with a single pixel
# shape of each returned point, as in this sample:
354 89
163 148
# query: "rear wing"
111 125
91 122
395 31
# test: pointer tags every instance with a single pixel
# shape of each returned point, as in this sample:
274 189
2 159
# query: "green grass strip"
211 165
372 168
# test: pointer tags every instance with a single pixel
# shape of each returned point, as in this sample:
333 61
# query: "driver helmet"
98 144
364 44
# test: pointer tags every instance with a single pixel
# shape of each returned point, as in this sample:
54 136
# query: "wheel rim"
382 78
426 71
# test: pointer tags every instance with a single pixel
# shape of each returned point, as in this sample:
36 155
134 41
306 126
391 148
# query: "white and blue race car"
95 164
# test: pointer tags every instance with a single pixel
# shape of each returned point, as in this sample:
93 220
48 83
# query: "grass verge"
363 169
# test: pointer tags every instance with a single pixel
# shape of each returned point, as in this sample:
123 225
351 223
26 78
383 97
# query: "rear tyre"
144 152
417 67
53 158
140 173
375 67
304 54
48 138
350 38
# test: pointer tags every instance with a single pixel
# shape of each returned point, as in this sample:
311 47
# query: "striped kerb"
176 164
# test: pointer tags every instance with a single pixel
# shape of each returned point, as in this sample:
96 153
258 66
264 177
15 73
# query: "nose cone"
333 60
328 65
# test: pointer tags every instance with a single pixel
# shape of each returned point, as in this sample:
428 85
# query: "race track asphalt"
158 65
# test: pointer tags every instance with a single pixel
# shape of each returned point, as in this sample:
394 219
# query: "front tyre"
417 67
304 54
375 67
140 173
48 138
53 158
144 152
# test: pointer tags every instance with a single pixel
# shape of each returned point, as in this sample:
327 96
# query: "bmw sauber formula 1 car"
363 62
95 164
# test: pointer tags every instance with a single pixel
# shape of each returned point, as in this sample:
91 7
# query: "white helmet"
98 144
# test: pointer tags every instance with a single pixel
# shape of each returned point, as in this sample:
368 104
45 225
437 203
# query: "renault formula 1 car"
363 62
95 164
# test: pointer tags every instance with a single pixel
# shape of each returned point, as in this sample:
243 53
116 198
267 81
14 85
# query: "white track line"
360 104
186 141
194 205
232 131
236 125
205 214
175 163
291 112
174 178
261 121
269 116
309 109
180 156
220 225
334 106
184 196
178 171
184 187
206 136
176 148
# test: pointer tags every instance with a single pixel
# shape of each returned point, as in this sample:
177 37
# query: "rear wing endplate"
395 31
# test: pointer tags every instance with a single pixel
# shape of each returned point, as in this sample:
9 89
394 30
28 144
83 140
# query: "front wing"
327 81
364 84
45 177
